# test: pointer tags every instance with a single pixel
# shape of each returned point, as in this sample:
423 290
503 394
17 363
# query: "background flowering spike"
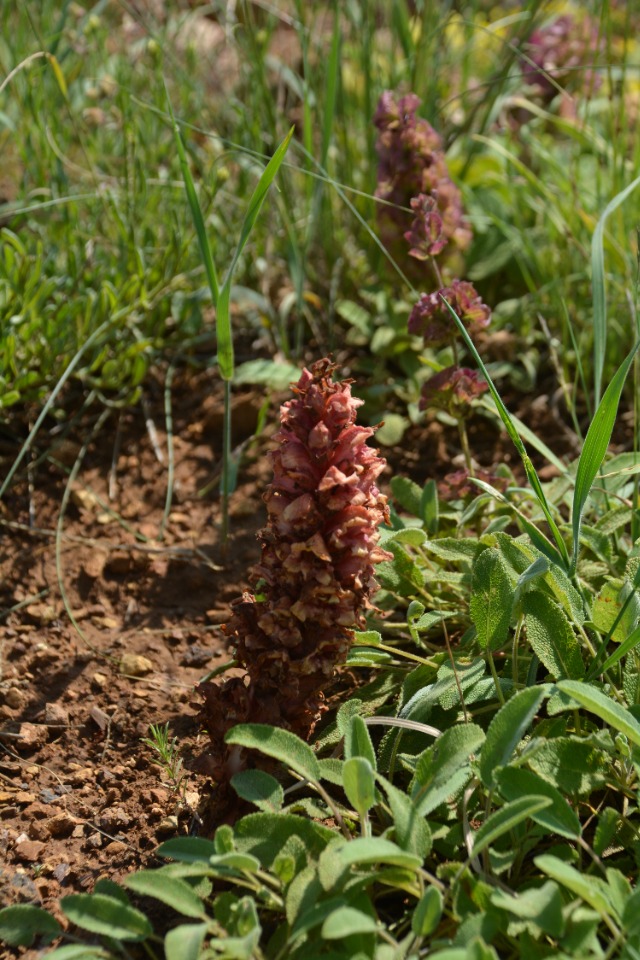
316 572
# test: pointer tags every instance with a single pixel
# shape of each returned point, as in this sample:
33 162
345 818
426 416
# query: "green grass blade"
196 211
595 447
225 342
510 426
598 288
625 647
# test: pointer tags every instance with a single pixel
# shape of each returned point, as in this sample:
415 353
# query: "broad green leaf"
373 850
22 923
427 913
596 444
263 835
357 742
411 831
275 374
359 784
345 921
316 914
429 507
573 764
505 819
112 889
392 429
74 951
106 916
444 767
558 818
590 888
172 891
450 549
185 942
538 568
617 609
282 745
507 729
491 600
542 905
407 493
259 788
188 849
598 287
604 707
551 636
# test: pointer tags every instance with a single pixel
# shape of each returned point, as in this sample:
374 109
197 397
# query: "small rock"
62 825
118 563
134 665
100 718
14 698
94 841
40 811
30 850
115 847
55 715
108 623
24 797
94 566
196 656
78 777
31 736
99 680
168 825
158 795
61 871
78 831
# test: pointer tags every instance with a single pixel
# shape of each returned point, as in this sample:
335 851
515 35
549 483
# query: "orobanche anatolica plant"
316 573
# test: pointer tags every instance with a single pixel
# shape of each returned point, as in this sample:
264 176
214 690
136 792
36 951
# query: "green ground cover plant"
478 795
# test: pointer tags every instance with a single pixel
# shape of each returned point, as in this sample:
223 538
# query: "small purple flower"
432 320
412 166
453 389
565 52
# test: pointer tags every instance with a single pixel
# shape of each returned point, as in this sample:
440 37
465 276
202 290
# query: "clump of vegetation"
476 795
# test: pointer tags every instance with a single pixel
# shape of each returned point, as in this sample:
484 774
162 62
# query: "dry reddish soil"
109 617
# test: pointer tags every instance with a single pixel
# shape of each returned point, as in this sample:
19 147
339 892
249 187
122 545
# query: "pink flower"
412 167
565 52
316 573
431 317
453 389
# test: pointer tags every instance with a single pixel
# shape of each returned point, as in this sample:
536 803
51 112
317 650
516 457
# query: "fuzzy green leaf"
185 942
357 742
373 850
507 729
551 636
604 707
282 745
106 916
22 923
188 849
359 784
345 921
444 767
573 764
514 783
260 788
541 905
505 819
591 889
427 913
172 891
491 600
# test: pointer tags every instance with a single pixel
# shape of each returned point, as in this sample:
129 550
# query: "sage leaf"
491 599
507 729
551 636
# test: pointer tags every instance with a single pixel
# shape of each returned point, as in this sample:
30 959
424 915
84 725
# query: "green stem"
496 679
